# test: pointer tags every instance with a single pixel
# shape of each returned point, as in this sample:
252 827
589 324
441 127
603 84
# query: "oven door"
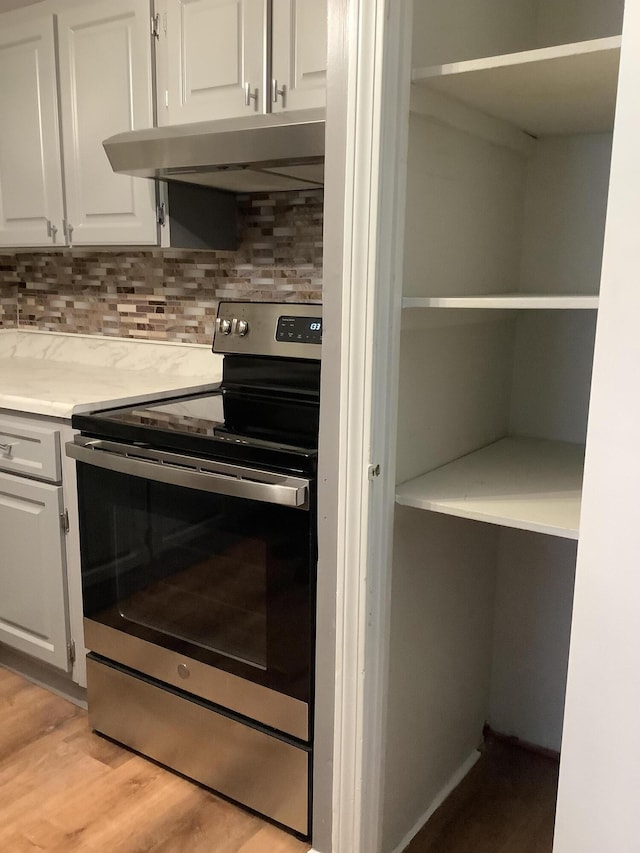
200 574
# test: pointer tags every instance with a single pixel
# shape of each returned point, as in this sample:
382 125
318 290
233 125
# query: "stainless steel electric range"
198 545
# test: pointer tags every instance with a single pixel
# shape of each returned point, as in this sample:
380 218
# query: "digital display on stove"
300 330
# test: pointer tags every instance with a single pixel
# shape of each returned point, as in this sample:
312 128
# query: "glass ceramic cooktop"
238 418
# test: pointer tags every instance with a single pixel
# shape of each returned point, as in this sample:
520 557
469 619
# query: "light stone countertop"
54 374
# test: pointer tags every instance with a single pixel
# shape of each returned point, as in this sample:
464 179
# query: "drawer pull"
6 449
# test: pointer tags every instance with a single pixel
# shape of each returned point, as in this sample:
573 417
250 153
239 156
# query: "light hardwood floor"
506 804
65 789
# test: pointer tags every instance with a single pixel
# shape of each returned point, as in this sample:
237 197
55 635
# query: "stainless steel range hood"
258 153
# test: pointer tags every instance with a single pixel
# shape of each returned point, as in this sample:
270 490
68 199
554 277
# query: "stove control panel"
300 329
282 329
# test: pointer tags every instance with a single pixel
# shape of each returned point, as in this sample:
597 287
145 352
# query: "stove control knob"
225 327
242 327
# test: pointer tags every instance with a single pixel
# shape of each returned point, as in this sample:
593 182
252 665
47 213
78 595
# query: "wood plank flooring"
506 804
64 789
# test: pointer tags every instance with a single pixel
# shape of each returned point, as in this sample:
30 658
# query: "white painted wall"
552 363
441 630
454 30
9 5
454 391
600 768
564 214
534 594
574 20
463 222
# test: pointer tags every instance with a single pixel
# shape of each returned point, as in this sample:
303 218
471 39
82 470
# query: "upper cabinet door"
105 88
299 59
30 178
211 59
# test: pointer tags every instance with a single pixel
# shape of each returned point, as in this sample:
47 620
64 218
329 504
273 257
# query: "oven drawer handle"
174 469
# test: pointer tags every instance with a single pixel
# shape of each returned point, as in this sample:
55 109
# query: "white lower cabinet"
33 609
34 614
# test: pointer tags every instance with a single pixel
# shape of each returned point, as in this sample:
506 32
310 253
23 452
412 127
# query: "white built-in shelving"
564 90
569 88
530 484
504 301
512 108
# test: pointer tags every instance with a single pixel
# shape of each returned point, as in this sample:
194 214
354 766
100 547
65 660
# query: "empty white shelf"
530 484
506 300
569 88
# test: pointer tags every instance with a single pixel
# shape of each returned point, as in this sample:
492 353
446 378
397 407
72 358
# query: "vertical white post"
600 766
368 308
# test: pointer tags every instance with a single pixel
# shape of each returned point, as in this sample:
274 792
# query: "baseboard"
513 740
43 675
439 799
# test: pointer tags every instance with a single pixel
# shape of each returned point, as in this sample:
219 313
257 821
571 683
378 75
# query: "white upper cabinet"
229 58
299 58
211 59
31 210
105 88
55 115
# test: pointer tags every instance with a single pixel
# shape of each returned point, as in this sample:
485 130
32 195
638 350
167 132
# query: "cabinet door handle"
275 92
51 230
6 449
68 230
250 95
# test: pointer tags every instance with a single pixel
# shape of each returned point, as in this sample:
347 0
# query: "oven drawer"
30 450
238 695
248 765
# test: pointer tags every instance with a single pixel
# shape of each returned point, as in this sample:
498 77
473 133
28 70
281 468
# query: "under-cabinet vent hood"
260 153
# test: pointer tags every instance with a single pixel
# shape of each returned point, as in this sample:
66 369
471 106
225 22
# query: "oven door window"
223 580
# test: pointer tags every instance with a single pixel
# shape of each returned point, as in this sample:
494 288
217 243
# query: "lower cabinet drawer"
246 764
30 450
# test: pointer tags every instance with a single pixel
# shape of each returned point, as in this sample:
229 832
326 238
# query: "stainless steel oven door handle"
192 473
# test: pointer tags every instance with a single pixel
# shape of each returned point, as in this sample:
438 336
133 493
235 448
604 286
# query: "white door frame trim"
376 142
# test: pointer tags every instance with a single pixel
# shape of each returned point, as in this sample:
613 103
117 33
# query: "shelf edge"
520 302
547 530
525 57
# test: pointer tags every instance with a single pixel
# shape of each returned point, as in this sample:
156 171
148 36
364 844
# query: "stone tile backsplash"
8 291
167 294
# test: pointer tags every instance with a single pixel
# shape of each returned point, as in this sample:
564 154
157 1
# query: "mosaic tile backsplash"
8 291
166 294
